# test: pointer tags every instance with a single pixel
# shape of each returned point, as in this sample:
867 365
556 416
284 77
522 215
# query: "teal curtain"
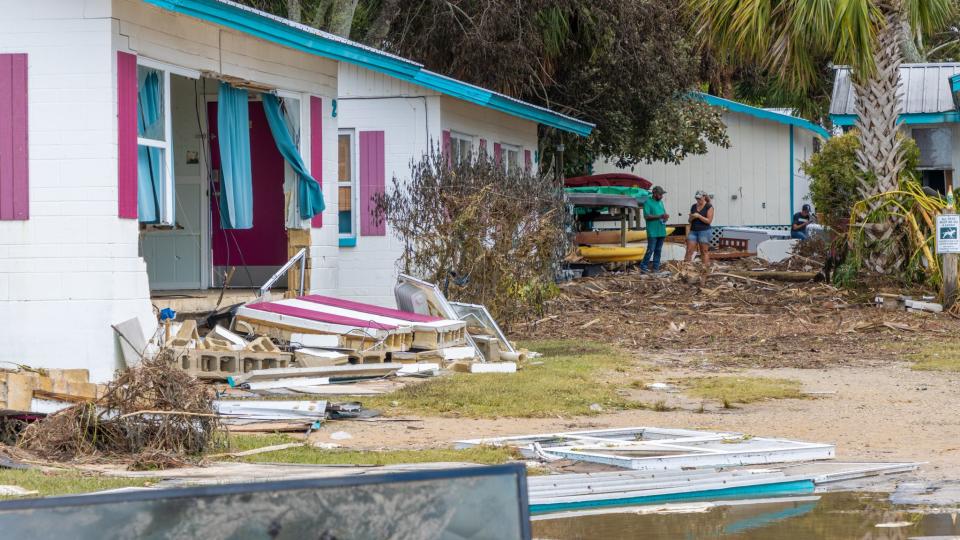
308 190
150 162
236 178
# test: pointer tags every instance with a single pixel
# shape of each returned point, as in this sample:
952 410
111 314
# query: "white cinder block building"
755 182
438 113
121 173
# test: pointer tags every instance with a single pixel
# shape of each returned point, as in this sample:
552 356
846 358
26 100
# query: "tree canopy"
628 67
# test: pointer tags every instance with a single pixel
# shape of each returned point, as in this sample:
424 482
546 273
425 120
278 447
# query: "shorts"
699 237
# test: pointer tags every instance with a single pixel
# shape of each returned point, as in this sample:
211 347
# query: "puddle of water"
835 516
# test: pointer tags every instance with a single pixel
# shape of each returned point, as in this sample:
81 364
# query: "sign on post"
948 233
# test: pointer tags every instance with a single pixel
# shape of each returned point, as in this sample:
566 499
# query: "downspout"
791 175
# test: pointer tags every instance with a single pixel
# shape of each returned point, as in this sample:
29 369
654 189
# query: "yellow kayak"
605 254
612 236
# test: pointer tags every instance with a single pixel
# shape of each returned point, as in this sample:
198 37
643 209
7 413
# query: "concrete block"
368 357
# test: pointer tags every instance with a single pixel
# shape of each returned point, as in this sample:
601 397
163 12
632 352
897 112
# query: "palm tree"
787 36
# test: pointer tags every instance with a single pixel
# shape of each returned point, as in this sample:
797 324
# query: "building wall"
483 123
188 42
413 119
750 181
72 269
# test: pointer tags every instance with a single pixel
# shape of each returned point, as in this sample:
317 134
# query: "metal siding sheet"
316 149
126 135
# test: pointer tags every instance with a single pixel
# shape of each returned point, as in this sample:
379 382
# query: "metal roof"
311 40
925 88
765 114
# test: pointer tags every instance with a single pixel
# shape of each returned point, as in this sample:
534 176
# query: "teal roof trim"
313 41
764 114
948 117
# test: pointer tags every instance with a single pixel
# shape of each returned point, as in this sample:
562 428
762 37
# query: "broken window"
346 184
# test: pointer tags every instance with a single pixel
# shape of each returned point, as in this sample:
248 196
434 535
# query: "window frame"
349 239
456 140
167 215
505 148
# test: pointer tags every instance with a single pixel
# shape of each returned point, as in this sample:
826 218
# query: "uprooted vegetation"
724 320
572 378
153 416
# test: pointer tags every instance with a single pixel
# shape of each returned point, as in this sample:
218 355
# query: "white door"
175 257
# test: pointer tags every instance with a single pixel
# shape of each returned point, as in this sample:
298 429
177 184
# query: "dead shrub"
486 235
155 414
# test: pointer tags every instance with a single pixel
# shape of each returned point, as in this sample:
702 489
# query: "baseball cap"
658 189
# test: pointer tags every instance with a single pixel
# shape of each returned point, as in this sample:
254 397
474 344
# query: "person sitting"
803 218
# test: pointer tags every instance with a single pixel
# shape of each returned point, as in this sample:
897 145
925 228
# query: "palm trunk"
880 157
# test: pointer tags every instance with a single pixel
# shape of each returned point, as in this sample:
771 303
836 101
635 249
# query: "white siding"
413 118
755 170
72 269
484 123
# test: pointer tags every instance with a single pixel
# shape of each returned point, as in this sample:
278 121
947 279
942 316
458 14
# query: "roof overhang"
946 117
763 114
304 38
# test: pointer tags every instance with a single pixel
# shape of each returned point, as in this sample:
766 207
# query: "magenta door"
265 244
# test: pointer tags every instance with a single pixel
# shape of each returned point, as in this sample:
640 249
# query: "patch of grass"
571 377
486 455
743 389
943 356
64 483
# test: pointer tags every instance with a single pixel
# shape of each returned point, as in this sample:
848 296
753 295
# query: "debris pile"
744 313
155 414
320 345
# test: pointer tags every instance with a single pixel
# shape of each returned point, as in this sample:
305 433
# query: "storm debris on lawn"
154 415
733 318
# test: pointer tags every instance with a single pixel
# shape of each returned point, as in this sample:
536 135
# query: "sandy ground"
888 413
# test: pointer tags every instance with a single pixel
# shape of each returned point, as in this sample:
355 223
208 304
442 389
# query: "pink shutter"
14 177
446 147
372 182
527 161
497 152
316 149
126 135
483 148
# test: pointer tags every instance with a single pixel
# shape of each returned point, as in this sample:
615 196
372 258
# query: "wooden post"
949 263
624 216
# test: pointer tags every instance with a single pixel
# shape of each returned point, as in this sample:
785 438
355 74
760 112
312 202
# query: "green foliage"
49 483
744 389
834 178
485 455
572 377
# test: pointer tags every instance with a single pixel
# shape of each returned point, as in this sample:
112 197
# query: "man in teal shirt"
656 218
